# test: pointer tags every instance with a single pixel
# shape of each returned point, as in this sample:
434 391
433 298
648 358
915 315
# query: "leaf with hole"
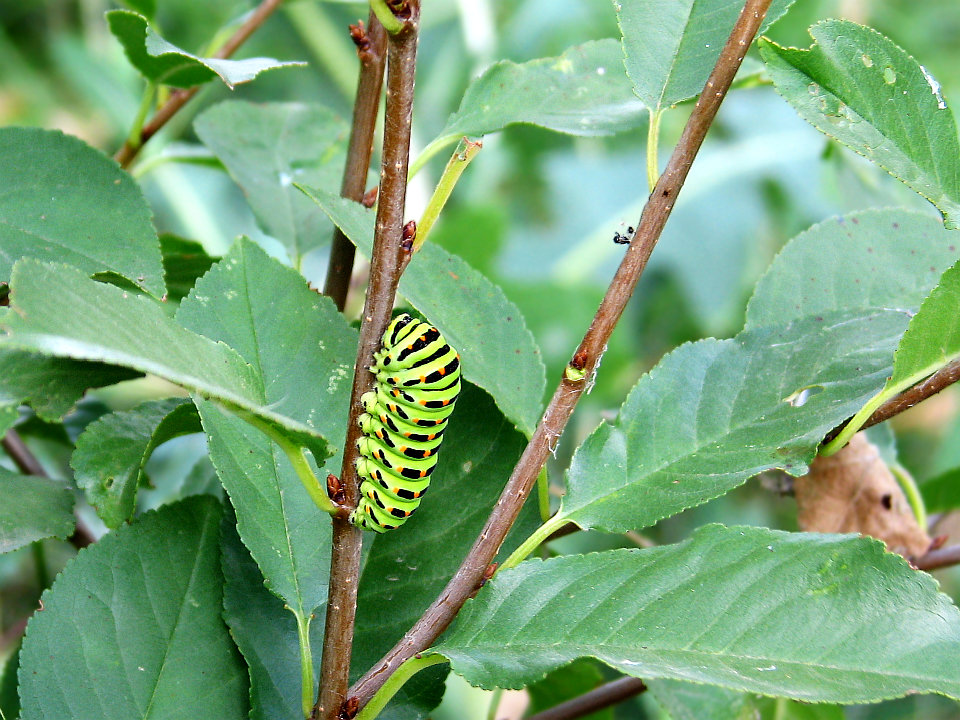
112 452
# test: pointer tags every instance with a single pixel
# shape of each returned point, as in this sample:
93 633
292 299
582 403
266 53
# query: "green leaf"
66 202
51 385
932 340
9 700
408 568
858 87
714 413
800 615
303 348
565 683
582 92
160 62
184 261
942 492
498 351
61 313
266 148
862 261
132 629
670 47
265 632
112 452
33 508
693 701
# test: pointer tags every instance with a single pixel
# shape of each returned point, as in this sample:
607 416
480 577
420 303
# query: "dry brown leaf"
854 491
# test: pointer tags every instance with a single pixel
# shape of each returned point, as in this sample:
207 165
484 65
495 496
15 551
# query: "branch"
371 46
940 558
179 98
605 696
468 577
388 259
944 377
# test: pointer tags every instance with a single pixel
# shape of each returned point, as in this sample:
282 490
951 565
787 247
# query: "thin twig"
371 49
386 265
28 464
605 696
943 378
179 98
939 558
468 577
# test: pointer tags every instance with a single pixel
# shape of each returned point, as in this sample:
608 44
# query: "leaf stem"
910 489
407 670
543 495
371 50
941 379
466 150
612 693
133 137
433 148
385 15
537 537
653 145
306 664
126 154
386 265
940 558
655 213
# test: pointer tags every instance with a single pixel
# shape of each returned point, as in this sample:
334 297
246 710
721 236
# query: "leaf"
132 629
61 313
858 87
932 340
33 508
112 452
406 569
184 261
266 148
9 700
160 62
942 492
52 386
670 47
64 201
714 413
793 614
297 341
581 92
861 261
265 632
498 351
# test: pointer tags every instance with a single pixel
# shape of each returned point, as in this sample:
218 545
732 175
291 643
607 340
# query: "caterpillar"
418 380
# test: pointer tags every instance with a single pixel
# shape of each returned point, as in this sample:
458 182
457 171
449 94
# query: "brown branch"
385 267
179 98
943 378
28 464
939 558
468 577
371 47
605 696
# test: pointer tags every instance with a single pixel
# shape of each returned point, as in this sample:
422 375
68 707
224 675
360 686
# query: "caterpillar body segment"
418 381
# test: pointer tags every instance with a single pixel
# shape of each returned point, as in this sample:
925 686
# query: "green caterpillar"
418 380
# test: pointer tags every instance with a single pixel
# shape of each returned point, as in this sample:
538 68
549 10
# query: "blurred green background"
535 212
